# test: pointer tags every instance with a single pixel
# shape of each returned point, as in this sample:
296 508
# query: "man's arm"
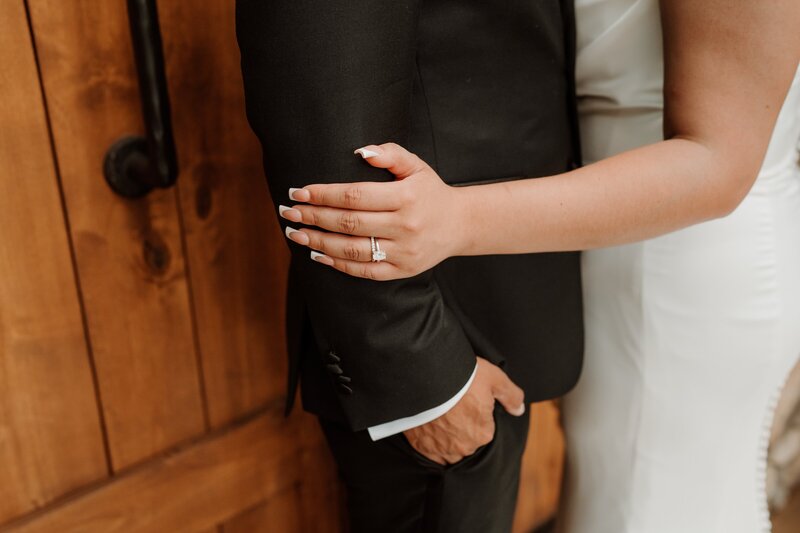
325 77
387 429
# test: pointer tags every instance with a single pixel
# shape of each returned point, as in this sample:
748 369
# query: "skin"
470 423
728 67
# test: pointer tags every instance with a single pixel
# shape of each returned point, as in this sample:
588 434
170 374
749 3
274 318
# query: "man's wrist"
404 424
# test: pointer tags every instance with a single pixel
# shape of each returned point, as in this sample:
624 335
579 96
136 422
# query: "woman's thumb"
393 158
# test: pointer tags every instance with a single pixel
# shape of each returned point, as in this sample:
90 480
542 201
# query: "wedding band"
378 255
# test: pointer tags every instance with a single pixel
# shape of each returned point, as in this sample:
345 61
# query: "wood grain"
47 397
190 490
313 505
542 468
235 248
283 508
129 253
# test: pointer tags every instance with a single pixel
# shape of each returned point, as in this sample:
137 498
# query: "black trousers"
391 488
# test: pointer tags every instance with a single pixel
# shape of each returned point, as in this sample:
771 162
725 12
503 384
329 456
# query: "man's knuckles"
486 437
465 449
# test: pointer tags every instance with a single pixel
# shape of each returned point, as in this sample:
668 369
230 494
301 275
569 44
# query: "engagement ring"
378 255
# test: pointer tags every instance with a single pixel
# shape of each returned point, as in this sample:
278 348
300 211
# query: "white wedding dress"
690 336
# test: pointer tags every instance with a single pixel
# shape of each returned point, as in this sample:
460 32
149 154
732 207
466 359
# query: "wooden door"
142 359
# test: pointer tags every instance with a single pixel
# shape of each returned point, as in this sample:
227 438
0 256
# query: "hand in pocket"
470 423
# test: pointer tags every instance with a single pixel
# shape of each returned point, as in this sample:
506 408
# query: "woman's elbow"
733 190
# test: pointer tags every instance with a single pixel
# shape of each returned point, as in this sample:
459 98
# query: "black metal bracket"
134 165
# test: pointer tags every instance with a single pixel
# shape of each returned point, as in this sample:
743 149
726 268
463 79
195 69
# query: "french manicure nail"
519 411
321 258
366 154
299 195
290 214
297 236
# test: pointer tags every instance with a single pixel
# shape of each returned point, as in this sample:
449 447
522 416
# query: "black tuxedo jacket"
480 89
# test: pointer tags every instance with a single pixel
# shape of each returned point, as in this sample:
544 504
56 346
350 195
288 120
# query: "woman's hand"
416 220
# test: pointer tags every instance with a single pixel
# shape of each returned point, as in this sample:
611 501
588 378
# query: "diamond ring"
378 255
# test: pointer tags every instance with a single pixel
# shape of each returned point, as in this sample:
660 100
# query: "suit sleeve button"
334 369
344 389
343 379
333 358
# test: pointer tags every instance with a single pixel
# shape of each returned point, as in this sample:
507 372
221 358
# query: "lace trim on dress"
763 453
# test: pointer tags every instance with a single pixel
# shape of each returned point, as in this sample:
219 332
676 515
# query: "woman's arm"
728 66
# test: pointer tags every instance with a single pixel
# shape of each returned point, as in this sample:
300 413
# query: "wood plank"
189 490
542 467
46 393
234 245
129 253
283 509
315 504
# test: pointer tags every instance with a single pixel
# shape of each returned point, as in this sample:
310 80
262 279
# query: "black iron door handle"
136 165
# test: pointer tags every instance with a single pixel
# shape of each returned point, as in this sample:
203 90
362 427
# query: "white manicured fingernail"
290 213
299 195
297 236
321 258
366 154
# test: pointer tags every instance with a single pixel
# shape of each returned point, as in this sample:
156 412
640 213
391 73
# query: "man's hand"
470 423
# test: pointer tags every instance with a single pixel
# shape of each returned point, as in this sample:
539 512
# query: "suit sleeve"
321 78
387 429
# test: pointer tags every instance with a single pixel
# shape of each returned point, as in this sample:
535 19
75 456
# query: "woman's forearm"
728 66
636 195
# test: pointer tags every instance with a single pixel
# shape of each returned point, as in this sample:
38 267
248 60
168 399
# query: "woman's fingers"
382 271
363 223
339 246
365 196
351 255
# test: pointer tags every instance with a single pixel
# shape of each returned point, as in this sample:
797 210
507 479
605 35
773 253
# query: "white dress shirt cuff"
387 429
